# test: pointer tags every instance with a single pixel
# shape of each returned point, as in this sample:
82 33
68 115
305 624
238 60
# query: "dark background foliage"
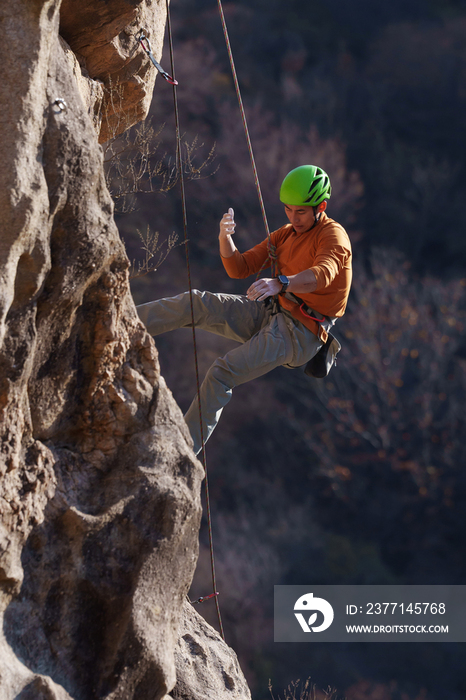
358 478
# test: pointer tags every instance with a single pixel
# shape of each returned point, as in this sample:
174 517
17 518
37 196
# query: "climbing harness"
145 43
306 310
320 365
196 364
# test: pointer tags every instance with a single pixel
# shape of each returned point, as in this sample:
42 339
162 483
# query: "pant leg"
268 348
229 315
268 343
305 342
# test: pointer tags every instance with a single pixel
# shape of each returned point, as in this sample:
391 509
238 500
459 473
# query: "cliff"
100 490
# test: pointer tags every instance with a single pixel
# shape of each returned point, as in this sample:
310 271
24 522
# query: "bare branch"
135 165
155 252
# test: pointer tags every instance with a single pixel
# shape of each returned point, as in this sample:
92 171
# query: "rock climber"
283 320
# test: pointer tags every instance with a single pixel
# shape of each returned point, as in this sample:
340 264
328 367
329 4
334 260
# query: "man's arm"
302 283
331 256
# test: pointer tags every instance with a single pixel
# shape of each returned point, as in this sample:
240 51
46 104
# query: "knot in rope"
273 257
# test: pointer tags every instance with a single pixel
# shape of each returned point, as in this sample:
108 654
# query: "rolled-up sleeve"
329 265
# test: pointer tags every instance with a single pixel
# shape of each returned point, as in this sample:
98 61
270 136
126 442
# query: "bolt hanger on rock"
59 105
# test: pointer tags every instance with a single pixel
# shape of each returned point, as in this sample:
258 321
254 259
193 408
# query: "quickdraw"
203 598
148 49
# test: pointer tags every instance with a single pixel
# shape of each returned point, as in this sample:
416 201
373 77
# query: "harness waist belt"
307 311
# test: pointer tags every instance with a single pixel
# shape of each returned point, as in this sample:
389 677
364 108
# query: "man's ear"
322 206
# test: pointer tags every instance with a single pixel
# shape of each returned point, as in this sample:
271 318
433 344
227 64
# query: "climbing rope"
272 257
185 229
270 247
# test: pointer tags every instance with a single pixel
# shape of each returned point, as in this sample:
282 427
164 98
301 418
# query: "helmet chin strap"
317 215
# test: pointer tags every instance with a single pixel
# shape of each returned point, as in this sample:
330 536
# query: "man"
313 256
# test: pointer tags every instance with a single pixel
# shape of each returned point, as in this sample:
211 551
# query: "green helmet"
307 186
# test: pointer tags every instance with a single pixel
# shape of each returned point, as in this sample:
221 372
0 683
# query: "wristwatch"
284 281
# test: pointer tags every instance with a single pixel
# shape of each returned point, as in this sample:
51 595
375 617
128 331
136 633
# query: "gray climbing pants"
267 341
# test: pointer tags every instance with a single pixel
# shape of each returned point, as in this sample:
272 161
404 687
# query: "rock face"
205 667
118 77
100 490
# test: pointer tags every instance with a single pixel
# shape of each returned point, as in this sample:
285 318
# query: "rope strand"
270 248
243 115
196 364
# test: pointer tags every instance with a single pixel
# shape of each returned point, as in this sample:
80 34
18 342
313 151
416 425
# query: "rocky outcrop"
115 75
205 667
100 490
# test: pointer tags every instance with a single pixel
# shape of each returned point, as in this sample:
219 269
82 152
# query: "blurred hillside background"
359 478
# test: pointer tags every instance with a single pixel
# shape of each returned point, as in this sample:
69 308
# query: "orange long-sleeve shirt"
326 250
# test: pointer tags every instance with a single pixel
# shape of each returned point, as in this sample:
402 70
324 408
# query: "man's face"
301 218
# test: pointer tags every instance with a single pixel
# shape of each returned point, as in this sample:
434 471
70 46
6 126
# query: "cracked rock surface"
100 490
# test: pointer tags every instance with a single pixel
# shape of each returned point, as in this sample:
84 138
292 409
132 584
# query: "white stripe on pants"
266 342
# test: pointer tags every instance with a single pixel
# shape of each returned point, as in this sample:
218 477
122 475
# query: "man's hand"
263 288
227 224
227 229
